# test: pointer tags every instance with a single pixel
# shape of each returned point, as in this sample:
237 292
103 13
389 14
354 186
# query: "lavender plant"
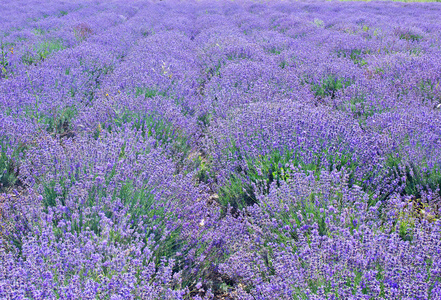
220 150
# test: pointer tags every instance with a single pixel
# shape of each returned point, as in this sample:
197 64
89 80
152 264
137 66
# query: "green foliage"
288 61
319 23
297 219
45 48
260 172
9 163
139 205
283 64
59 122
236 55
357 106
408 214
408 36
38 31
202 169
148 92
329 85
214 70
413 179
356 55
42 51
360 108
312 206
152 124
405 228
275 50
379 71
6 50
237 192
205 119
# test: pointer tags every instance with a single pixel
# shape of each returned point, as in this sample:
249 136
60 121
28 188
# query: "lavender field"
220 150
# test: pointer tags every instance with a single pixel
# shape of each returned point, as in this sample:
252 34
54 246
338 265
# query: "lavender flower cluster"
220 150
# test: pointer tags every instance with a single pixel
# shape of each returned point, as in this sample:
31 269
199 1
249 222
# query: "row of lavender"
198 150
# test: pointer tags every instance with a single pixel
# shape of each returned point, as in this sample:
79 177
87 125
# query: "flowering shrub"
220 150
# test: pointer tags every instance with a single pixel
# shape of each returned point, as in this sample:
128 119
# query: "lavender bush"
220 150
